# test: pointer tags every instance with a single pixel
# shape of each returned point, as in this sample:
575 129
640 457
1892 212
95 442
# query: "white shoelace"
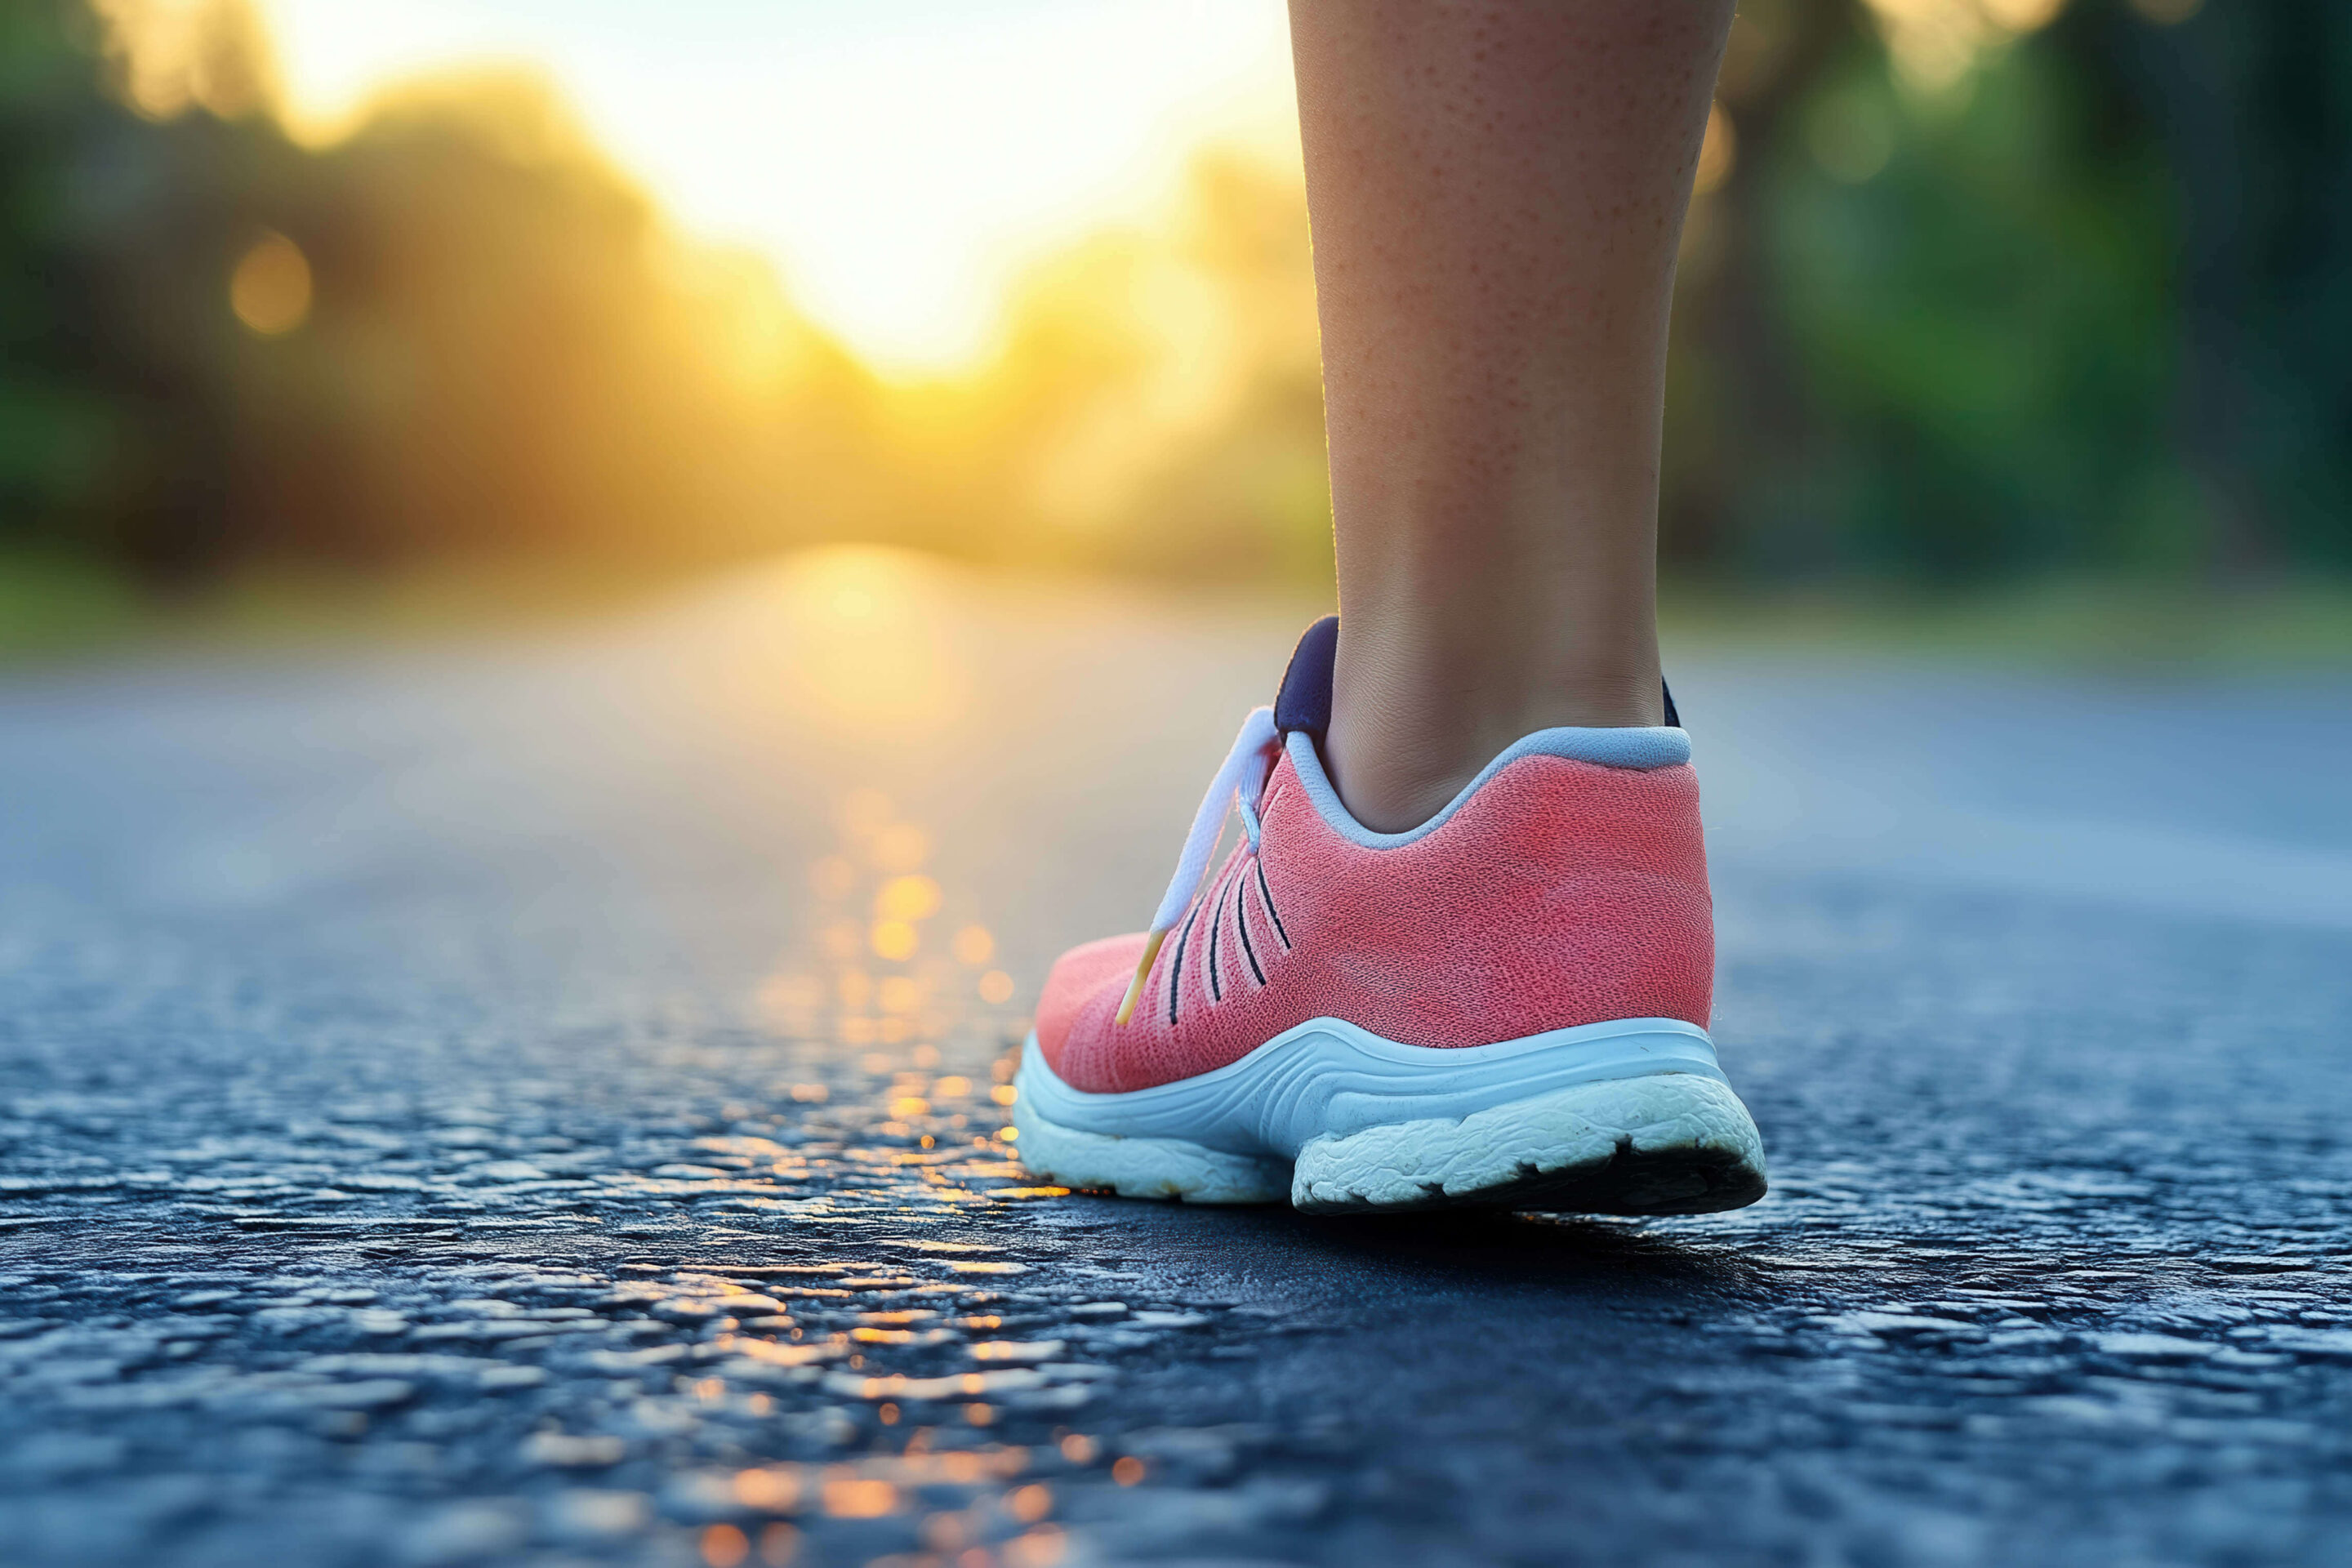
1243 777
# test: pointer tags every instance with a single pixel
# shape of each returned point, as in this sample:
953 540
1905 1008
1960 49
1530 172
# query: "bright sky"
898 159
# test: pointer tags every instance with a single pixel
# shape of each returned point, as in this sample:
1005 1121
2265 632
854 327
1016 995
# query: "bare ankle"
1402 745
1387 784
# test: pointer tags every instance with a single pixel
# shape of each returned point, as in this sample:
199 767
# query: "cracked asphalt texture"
532 1100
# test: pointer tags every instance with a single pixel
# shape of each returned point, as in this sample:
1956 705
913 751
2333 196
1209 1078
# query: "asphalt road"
530 1101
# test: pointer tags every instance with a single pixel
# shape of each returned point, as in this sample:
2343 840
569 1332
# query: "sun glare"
899 161
861 650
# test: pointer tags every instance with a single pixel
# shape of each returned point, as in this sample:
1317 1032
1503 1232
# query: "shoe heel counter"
1613 918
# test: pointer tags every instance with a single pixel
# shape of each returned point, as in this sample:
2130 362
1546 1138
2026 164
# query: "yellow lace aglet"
1135 986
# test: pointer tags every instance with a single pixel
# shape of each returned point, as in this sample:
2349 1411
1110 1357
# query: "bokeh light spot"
893 939
1850 136
270 290
1040 1548
774 1490
1718 153
851 1497
909 898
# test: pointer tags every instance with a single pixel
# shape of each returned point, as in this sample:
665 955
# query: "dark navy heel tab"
1303 702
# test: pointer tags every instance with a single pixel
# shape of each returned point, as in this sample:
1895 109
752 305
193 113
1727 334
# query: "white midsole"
1327 1077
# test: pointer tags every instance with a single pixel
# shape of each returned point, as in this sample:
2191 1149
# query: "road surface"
531 1099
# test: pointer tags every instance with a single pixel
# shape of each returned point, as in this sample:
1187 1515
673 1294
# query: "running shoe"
1506 1005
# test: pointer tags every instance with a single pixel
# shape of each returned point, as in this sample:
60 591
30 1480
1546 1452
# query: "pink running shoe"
1506 1005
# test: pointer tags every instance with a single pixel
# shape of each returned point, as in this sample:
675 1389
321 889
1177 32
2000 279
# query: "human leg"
1497 193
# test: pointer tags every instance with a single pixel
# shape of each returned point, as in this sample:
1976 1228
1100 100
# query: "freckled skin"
1497 191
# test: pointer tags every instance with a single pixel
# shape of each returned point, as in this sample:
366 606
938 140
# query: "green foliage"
2082 310
1981 323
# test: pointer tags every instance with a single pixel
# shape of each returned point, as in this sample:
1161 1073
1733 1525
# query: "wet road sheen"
541 1101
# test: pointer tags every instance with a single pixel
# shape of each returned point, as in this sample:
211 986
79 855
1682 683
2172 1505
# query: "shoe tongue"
1305 701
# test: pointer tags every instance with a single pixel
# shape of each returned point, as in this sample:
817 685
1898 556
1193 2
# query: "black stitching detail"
1266 896
1216 924
1176 965
1241 924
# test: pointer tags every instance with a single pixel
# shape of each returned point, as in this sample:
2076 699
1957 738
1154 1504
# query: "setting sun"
898 163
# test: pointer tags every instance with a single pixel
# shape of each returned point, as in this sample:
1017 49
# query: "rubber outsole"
1673 1143
1665 1143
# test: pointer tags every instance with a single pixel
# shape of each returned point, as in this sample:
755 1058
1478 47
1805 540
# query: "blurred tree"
1979 291
2249 107
1221 472
1247 487
1737 445
1998 286
1939 319
111 435
497 345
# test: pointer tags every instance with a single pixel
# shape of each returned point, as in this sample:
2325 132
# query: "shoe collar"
1302 712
